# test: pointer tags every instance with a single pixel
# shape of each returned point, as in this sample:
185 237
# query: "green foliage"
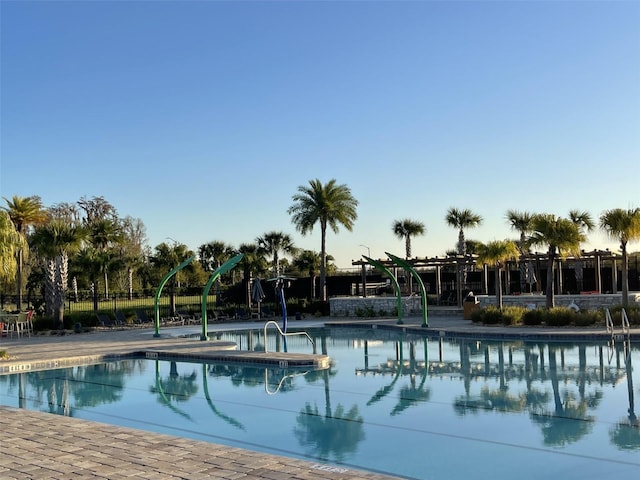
559 317
555 317
633 314
3 355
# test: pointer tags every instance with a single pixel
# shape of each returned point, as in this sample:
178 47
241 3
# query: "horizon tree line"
89 242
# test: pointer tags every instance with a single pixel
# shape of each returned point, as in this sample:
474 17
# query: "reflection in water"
626 433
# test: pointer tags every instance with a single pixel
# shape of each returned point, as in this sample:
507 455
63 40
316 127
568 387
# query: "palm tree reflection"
174 387
626 433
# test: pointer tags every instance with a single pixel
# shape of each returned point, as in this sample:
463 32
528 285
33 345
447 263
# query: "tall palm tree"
585 224
496 254
55 241
462 219
272 244
10 242
328 204
562 236
521 222
405 229
167 257
622 225
24 212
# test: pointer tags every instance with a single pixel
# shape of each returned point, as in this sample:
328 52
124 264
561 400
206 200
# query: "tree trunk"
19 280
323 263
625 276
550 277
498 287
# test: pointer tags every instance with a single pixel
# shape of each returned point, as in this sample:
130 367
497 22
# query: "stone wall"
584 302
386 306
381 306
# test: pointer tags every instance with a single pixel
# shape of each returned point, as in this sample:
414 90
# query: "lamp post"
364 272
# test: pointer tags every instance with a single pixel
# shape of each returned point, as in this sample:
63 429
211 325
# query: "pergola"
459 262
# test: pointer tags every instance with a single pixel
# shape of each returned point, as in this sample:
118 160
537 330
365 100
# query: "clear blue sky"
202 118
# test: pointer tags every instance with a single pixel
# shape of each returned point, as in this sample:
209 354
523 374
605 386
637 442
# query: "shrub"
559 317
533 317
586 318
512 315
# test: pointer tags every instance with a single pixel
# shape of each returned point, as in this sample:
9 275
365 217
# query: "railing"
284 334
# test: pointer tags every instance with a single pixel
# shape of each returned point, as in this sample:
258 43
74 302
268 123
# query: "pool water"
410 406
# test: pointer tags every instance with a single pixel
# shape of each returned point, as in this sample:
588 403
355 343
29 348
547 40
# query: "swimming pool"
406 405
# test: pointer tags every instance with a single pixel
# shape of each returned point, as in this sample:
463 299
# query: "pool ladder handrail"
284 334
626 329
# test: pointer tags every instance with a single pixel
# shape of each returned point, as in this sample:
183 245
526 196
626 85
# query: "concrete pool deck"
38 445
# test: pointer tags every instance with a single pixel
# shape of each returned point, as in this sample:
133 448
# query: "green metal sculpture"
423 293
389 274
224 268
159 291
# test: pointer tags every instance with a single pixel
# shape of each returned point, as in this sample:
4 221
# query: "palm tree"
10 242
24 213
104 234
55 241
462 219
562 236
405 229
521 222
623 225
308 262
272 244
585 224
328 204
496 254
252 262
211 256
167 257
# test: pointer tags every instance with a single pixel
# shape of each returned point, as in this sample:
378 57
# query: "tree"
328 204
10 242
211 256
521 222
272 244
622 225
462 219
55 241
167 257
496 254
562 236
252 262
405 229
308 262
24 212
585 224
104 235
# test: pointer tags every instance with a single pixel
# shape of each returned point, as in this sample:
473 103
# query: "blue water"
406 406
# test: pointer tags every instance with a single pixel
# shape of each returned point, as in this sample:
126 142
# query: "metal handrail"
608 321
284 334
625 323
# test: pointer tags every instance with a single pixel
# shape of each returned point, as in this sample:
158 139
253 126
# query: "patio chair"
241 314
266 312
141 317
104 320
121 318
26 323
184 317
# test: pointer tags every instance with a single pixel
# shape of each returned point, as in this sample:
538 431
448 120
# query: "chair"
184 317
121 318
141 317
266 312
26 324
104 320
241 314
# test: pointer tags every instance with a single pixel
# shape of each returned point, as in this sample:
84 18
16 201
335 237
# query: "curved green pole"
156 301
423 293
387 272
224 268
